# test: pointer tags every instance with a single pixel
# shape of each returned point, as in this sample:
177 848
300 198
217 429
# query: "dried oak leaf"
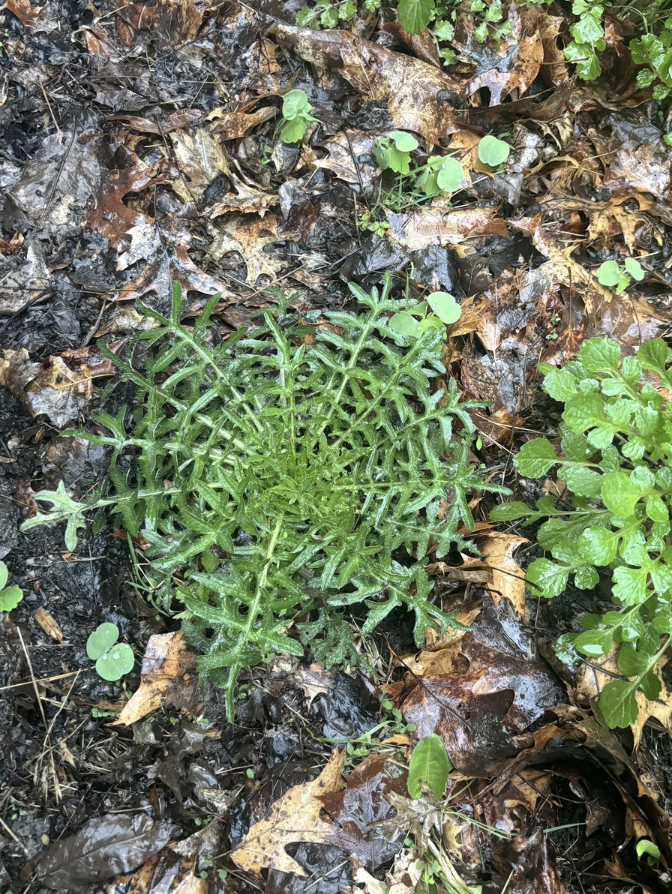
350 157
166 678
110 216
440 224
246 199
248 237
201 159
592 678
515 60
314 681
293 817
508 578
609 219
417 94
235 125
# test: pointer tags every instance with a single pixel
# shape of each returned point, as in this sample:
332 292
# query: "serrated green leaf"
10 598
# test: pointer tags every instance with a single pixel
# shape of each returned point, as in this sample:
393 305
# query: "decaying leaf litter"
140 150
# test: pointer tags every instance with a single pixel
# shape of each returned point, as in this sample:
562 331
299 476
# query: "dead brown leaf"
166 678
248 237
314 681
174 121
593 676
417 94
508 578
201 159
235 125
45 621
513 65
26 283
176 20
440 224
294 817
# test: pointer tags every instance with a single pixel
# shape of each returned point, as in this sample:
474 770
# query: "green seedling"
9 596
113 659
414 321
617 277
394 151
296 115
441 174
493 152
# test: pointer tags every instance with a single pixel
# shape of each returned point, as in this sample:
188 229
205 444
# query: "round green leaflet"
294 103
450 176
608 274
429 764
116 662
3 575
102 639
404 324
445 307
492 151
405 142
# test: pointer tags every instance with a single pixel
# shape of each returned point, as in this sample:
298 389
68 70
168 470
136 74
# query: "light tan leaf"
167 678
248 238
201 159
440 224
234 125
294 817
314 681
44 620
508 578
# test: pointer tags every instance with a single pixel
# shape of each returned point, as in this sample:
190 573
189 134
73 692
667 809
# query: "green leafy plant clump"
296 116
286 474
616 460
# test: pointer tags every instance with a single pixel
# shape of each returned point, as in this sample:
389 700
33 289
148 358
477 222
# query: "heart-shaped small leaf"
116 662
445 307
492 151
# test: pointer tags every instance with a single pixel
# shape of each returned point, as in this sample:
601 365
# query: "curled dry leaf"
166 678
201 159
176 20
45 621
294 817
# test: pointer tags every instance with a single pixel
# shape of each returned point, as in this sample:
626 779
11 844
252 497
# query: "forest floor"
140 148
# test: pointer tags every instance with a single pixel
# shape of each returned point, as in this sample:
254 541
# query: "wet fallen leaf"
104 846
201 159
508 578
314 681
440 224
294 817
246 199
124 319
166 678
349 156
235 125
60 388
417 94
174 121
58 183
514 63
248 237
26 283
363 803
175 20
480 693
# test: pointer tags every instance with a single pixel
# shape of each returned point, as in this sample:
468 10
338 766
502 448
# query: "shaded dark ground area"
138 147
